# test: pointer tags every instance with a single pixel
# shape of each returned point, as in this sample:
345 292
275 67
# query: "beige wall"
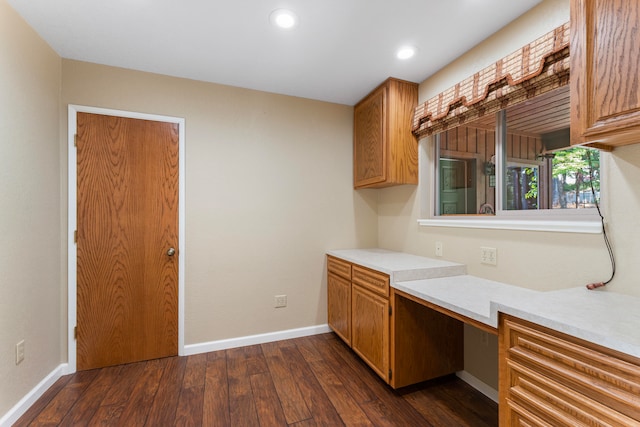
538 260
268 192
30 200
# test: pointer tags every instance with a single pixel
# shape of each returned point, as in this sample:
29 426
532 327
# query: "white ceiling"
340 50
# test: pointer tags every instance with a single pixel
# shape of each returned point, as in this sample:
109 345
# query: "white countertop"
600 316
466 295
400 266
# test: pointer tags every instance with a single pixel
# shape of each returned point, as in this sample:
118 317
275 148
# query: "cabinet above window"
605 84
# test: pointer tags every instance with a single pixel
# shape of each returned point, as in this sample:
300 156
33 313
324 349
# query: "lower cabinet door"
370 329
339 306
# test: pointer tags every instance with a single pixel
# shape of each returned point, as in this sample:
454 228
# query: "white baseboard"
206 347
30 398
474 382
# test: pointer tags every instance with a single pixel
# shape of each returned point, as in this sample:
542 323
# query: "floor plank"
191 403
166 399
57 409
391 399
349 410
92 397
141 400
321 408
268 404
293 404
302 382
216 410
356 386
41 403
241 403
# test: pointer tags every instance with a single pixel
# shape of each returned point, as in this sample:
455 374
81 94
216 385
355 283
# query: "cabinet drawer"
558 404
339 267
566 381
372 280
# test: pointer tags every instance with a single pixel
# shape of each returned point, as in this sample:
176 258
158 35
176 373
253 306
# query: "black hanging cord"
592 286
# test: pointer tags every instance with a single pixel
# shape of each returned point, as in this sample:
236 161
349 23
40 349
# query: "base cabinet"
401 340
551 379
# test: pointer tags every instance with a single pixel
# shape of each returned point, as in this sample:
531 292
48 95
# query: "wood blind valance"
538 67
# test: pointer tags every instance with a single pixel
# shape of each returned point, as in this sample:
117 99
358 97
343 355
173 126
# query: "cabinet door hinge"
75 332
75 140
390 310
75 236
390 374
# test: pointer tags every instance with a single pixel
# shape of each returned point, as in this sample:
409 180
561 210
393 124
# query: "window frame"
551 220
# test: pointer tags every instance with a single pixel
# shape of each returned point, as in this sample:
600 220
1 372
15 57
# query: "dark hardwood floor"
301 382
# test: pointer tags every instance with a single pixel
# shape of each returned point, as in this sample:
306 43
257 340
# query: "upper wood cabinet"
385 152
605 78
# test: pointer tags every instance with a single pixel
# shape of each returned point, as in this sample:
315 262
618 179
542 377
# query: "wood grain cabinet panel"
370 329
339 306
548 378
605 82
385 152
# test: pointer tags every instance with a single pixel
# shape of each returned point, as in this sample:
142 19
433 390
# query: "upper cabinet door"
605 72
385 152
369 139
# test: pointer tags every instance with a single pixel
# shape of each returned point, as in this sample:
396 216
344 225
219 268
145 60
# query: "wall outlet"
19 352
280 301
488 255
438 248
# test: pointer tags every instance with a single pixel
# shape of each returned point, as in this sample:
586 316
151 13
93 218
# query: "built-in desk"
602 317
466 298
567 357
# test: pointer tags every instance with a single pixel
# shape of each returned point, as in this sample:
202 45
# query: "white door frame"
72 219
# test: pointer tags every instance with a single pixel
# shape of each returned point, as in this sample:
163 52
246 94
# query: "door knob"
171 252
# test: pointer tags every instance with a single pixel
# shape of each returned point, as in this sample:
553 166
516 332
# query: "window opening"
518 159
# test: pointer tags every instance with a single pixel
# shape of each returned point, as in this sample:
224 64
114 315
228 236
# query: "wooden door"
127 240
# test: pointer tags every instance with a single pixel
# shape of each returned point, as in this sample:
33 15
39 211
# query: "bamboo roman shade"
538 67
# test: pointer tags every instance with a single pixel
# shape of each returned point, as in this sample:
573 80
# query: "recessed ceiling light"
406 52
283 18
